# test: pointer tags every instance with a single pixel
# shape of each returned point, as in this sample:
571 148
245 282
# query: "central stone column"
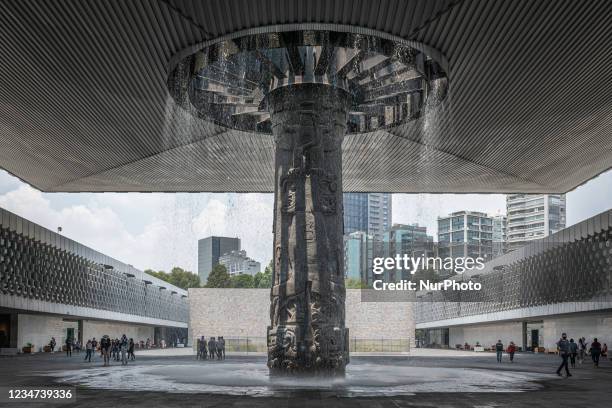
307 332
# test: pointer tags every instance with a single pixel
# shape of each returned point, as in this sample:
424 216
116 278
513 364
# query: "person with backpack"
499 350
573 352
564 351
511 350
595 351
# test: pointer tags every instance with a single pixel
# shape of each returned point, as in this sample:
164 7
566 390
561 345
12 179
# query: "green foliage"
242 281
353 283
219 278
177 277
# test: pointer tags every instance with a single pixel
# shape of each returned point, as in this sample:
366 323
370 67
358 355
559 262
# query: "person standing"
212 348
222 343
131 350
595 351
88 350
511 350
499 349
105 345
94 346
68 347
564 351
123 347
52 344
573 352
202 352
604 351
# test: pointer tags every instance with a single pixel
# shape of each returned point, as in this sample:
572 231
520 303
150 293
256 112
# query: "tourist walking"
105 345
69 347
511 350
222 346
595 351
52 344
581 349
573 348
499 349
88 350
564 351
212 348
131 350
94 346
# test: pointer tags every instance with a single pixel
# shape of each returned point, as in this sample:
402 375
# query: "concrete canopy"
84 104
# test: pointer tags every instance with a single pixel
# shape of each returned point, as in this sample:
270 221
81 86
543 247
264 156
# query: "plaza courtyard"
173 377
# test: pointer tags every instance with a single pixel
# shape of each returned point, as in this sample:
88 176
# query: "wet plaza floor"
421 379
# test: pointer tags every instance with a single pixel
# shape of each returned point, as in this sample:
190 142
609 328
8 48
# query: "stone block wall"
246 313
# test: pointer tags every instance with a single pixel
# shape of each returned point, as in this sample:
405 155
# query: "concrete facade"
583 325
38 330
486 334
245 313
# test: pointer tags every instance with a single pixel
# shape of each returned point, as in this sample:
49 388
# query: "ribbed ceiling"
84 104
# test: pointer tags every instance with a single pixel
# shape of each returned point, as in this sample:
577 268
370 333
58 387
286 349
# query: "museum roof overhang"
85 106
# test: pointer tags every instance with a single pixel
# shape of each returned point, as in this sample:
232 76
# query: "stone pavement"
440 372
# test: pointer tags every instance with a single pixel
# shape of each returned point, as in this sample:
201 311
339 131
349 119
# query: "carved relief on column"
307 331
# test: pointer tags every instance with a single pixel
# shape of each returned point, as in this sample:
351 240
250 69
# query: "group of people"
499 350
117 349
569 351
211 349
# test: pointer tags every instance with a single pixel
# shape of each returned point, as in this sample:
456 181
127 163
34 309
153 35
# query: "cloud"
99 227
247 216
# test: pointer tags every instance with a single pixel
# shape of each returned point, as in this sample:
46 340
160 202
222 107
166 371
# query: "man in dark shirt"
212 348
595 351
105 345
499 350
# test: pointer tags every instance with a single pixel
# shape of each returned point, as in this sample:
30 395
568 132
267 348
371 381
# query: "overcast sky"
160 231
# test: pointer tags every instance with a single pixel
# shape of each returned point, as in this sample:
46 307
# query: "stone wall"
97 329
487 334
38 330
246 313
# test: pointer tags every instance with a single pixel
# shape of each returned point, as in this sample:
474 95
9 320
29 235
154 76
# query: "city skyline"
159 231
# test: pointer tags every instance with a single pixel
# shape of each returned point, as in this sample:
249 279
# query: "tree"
184 279
353 283
218 278
242 281
264 279
177 277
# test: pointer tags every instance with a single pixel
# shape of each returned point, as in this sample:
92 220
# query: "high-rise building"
533 216
500 222
210 250
411 240
367 212
466 233
358 254
238 263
